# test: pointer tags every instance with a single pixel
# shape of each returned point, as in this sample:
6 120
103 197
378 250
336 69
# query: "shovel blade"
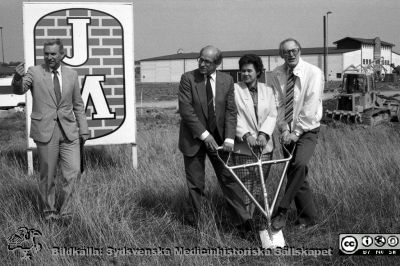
273 240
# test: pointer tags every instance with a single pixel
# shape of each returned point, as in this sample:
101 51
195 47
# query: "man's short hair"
55 41
218 56
285 41
253 59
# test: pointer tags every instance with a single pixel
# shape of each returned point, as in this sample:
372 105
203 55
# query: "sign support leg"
30 161
134 156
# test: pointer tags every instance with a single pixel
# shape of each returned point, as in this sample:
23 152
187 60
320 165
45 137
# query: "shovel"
269 237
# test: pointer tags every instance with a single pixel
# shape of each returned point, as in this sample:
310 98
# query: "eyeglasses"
207 62
293 51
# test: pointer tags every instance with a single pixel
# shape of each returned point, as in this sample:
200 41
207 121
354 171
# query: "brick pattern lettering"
105 57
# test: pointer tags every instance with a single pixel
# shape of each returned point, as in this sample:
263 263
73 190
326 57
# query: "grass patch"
354 175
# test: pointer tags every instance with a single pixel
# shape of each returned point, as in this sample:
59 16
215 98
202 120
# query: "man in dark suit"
58 122
208 120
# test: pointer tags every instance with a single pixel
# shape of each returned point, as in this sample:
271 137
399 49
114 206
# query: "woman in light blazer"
256 119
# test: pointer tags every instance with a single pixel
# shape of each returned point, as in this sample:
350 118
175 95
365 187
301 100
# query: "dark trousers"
297 187
195 177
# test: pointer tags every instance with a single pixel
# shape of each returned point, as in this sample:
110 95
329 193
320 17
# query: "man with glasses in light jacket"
299 87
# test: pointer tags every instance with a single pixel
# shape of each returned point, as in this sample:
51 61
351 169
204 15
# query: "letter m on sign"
93 42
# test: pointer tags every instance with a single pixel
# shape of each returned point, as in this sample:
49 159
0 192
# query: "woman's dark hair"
253 59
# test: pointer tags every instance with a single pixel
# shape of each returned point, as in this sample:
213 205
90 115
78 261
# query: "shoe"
51 216
303 226
248 236
65 219
66 215
247 230
246 227
279 221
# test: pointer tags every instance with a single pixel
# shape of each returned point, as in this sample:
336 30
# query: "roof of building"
365 41
269 52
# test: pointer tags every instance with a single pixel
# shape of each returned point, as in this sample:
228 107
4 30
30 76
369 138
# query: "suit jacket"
246 118
193 109
69 111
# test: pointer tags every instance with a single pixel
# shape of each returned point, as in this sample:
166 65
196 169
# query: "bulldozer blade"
273 239
336 116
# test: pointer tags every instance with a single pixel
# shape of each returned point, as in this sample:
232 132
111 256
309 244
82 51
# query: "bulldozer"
360 102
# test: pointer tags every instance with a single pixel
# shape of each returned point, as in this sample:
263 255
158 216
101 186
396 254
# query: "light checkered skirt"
250 175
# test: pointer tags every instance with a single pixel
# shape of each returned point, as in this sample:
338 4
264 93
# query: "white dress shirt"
308 91
213 77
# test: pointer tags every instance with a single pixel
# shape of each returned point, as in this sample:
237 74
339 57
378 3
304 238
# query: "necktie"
211 121
56 83
289 98
254 96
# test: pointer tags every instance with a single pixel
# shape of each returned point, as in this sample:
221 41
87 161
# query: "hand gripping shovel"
269 237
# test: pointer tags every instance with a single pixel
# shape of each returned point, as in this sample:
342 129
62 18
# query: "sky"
162 27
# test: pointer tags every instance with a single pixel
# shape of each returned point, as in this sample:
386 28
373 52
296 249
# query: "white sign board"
98 40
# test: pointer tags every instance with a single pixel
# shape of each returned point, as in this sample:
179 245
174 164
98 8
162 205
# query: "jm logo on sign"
93 41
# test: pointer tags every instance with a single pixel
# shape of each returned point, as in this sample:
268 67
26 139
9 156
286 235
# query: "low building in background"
348 51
